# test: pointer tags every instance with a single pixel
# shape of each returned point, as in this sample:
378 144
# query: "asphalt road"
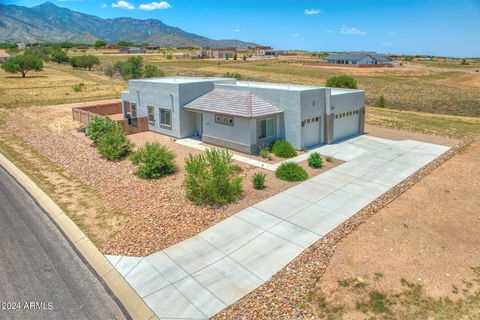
41 276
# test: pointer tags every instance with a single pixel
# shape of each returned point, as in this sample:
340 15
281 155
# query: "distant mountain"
50 23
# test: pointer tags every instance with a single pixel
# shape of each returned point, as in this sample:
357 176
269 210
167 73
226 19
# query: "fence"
87 113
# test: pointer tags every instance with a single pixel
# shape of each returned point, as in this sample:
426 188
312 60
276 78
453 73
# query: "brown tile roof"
4 53
231 102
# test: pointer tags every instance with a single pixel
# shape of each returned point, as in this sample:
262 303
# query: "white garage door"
312 133
345 124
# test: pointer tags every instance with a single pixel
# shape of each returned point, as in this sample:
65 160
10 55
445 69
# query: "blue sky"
450 28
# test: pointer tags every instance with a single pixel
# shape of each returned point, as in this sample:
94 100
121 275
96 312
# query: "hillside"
50 23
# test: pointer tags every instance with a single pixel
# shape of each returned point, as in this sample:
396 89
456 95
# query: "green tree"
341 82
59 56
84 62
23 64
122 44
151 71
133 68
99 44
235 56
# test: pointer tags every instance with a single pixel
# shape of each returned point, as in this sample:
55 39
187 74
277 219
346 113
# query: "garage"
346 124
312 133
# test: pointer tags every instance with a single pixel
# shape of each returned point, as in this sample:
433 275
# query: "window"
317 119
267 128
336 116
133 110
151 114
165 117
224 120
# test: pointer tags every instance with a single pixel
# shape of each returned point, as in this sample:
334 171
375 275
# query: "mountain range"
50 23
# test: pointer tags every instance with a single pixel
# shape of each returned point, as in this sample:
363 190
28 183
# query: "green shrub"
114 144
78 87
258 180
212 178
283 149
380 102
291 171
315 160
341 82
84 62
265 153
235 75
154 161
98 127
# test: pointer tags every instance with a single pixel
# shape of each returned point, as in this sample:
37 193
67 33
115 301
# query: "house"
242 115
4 56
221 53
271 52
132 50
359 58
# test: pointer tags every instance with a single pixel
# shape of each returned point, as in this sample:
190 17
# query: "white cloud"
296 34
154 6
103 5
123 5
351 31
236 30
312 11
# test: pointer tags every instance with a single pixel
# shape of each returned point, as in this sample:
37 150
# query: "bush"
114 144
380 102
59 56
341 82
235 75
315 160
291 171
154 161
151 71
212 178
265 153
78 87
84 62
258 180
283 149
98 127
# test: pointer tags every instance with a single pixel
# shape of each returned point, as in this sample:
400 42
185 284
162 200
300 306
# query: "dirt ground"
429 235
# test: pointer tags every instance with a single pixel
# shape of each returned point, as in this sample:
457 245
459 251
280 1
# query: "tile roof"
232 102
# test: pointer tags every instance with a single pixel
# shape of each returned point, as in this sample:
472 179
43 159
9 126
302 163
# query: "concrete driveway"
200 276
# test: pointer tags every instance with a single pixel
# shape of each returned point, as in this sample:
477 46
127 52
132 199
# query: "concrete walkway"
197 278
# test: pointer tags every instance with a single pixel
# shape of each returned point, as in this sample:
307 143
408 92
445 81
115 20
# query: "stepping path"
197 278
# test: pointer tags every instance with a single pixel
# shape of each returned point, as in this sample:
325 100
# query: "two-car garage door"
346 124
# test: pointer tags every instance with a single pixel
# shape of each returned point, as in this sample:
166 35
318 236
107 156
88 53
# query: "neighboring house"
132 50
221 53
271 52
4 56
361 58
245 116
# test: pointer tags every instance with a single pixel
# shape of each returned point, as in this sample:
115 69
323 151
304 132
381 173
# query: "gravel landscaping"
157 213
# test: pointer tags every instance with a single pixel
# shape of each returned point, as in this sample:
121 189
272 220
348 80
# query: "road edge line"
124 295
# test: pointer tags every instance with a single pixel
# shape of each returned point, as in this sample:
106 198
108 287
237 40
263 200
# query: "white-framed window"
267 128
165 117
221 119
133 110
151 113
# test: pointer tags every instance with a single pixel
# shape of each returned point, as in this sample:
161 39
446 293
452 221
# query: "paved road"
38 265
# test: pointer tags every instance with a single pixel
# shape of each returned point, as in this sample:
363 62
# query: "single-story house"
243 115
221 53
357 58
4 56
271 52
132 50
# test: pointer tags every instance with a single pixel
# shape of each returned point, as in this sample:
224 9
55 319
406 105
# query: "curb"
122 292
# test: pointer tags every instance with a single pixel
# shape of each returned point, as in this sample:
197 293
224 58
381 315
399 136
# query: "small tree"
23 64
59 56
151 71
154 161
341 82
99 44
133 68
244 58
212 178
84 62
464 62
235 56
380 102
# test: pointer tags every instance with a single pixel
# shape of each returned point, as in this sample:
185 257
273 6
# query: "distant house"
271 52
152 47
222 53
361 58
132 50
4 56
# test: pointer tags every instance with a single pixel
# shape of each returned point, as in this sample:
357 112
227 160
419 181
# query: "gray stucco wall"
312 106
